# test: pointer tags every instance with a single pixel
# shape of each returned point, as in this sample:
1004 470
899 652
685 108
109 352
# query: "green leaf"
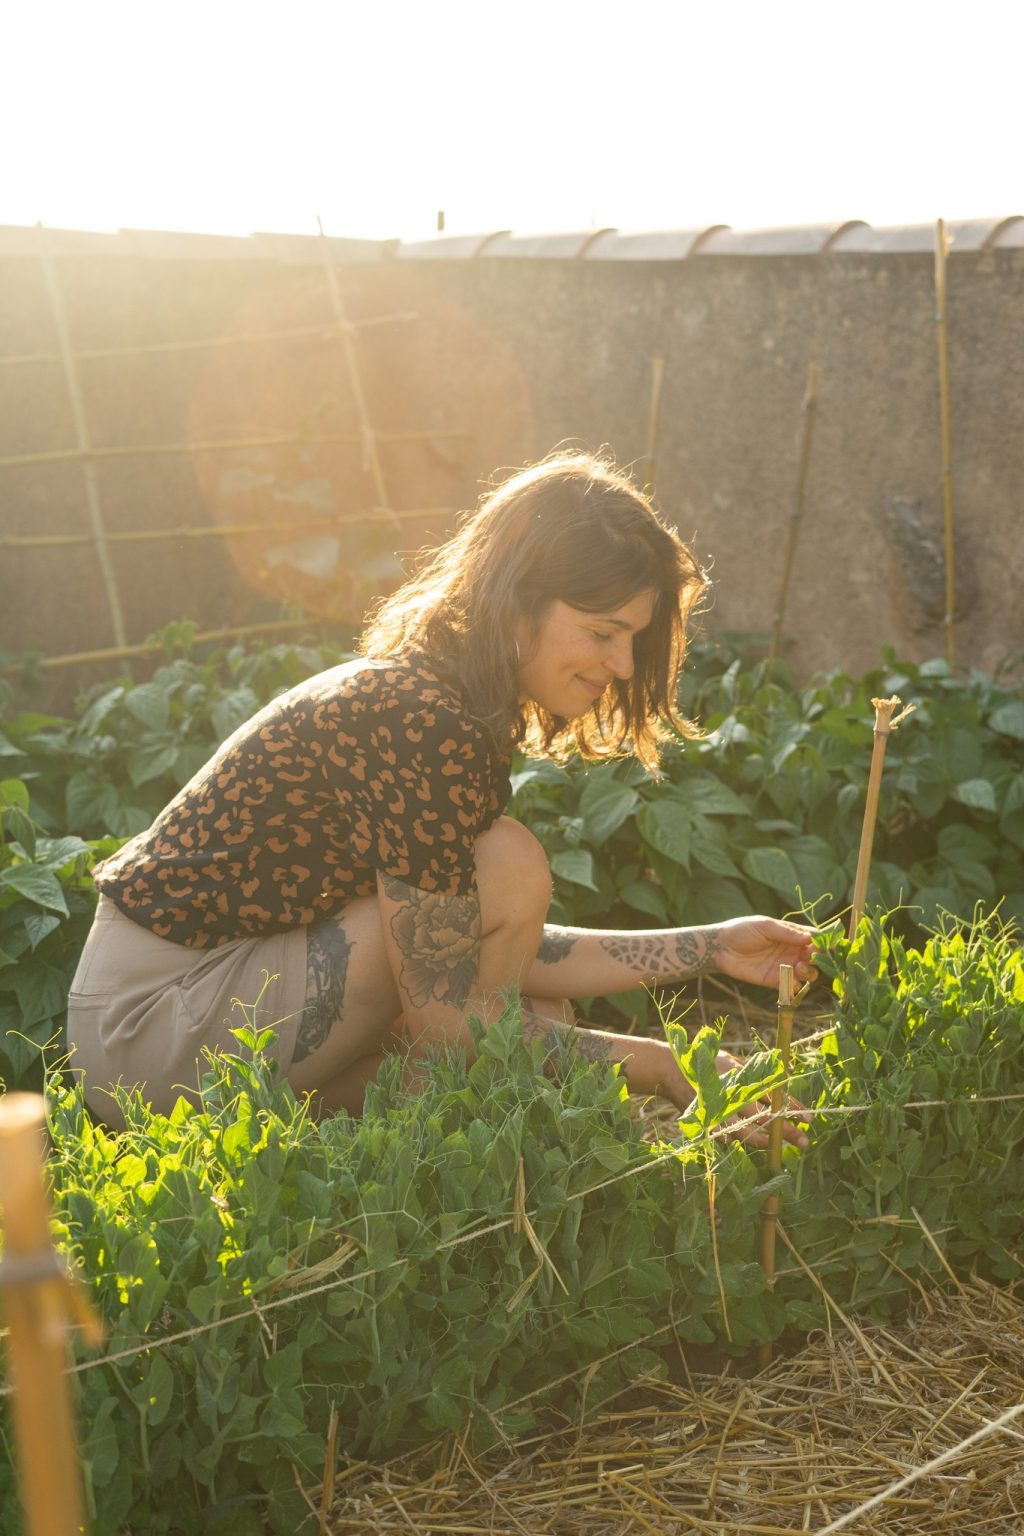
128 820
54 852
232 711
20 828
643 896
773 868
87 800
664 824
151 761
604 805
1008 719
13 792
697 1061
39 885
38 927
711 797
150 705
979 794
959 842
709 848
575 865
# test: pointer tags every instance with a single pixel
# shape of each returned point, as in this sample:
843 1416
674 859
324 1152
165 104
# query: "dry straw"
822 1441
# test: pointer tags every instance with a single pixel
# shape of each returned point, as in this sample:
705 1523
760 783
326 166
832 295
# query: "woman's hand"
753 948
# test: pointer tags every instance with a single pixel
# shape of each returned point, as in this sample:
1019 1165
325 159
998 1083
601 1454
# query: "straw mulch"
795 1448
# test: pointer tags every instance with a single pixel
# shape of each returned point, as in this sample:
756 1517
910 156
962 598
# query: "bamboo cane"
770 1210
36 1300
657 375
884 724
223 530
92 490
947 439
223 445
371 458
809 408
323 332
152 647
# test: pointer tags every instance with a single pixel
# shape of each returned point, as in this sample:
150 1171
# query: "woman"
349 838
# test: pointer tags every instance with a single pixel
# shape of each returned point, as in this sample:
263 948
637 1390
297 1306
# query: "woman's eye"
600 637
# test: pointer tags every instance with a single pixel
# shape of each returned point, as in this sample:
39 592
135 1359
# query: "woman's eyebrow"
600 618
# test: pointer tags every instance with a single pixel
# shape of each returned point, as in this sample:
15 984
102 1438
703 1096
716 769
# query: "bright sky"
532 115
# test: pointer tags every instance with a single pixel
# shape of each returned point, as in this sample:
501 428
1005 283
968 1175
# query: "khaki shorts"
142 1010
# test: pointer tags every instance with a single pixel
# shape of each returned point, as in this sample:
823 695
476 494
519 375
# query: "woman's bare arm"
592 962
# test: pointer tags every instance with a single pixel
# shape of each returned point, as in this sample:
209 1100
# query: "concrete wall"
519 347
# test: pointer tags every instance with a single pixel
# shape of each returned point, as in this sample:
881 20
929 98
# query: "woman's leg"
352 1003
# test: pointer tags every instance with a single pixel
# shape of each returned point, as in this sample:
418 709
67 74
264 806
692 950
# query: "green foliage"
764 813
503 1243
133 745
46 906
931 1040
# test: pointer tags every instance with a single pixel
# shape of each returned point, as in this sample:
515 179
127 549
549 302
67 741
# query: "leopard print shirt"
369 767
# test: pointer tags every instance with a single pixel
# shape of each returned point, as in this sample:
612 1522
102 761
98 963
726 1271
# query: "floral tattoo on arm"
438 940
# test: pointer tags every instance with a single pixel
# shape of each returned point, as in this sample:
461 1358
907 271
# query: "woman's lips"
594 689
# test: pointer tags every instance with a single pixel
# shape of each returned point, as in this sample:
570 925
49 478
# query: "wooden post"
941 247
809 409
650 462
34 1289
884 723
770 1210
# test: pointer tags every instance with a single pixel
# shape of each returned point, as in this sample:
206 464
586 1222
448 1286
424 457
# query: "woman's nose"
620 658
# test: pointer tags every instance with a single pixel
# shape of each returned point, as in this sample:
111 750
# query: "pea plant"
507 1245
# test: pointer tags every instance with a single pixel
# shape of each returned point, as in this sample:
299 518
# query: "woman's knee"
513 873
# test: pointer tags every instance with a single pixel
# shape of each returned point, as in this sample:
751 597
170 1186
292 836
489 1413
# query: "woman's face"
569 658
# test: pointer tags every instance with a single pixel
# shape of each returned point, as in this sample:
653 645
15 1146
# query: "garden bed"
824 1430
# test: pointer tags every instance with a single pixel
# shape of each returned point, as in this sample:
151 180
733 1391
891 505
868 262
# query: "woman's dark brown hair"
572 528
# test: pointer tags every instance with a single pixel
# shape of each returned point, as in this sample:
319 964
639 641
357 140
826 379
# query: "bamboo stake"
884 724
770 1210
371 458
941 247
221 530
809 409
36 1301
225 445
92 491
151 647
657 375
207 343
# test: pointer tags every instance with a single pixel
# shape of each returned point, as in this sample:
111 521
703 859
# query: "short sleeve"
428 794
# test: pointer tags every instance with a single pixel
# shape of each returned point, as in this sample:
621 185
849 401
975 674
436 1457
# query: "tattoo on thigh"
328 949
555 945
438 939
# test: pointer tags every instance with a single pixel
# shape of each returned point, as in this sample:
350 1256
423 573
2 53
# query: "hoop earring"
515 642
